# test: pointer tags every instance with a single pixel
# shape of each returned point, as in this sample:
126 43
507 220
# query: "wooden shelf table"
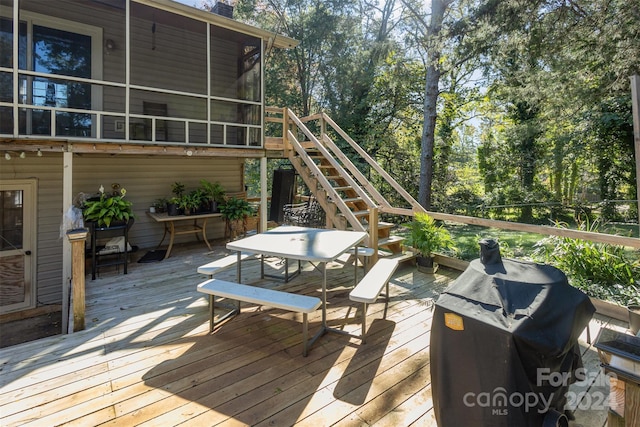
173 230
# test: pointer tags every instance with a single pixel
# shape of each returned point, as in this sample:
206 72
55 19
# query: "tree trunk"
431 92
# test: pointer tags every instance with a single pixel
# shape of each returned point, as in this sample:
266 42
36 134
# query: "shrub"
601 270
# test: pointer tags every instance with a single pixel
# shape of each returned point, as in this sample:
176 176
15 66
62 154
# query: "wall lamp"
109 45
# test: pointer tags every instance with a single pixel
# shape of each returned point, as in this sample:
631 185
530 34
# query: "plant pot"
426 264
172 209
634 318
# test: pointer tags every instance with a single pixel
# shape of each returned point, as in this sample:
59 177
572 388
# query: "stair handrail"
324 183
404 193
317 173
359 176
327 155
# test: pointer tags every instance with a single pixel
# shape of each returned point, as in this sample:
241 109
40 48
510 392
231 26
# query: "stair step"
402 256
354 199
361 213
383 226
390 241
345 187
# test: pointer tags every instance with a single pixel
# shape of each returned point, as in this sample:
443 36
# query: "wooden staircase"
348 198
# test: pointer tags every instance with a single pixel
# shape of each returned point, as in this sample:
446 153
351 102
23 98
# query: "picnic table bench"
222 264
369 288
252 294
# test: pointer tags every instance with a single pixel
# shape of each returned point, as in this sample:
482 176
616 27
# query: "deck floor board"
147 357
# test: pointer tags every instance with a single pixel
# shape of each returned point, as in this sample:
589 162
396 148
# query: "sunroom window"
62 53
48 48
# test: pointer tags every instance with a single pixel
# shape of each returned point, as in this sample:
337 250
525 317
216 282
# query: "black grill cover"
499 333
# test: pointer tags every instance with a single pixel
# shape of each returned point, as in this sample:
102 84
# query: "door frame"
29 240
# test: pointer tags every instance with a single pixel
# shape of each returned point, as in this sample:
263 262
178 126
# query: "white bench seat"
252 294
369 288
364 253
221 264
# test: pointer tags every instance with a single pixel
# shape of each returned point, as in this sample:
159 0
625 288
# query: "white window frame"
32 18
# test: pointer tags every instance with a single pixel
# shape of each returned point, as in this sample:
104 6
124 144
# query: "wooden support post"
635 102
373 235
323 128
77 239
285 131
632 404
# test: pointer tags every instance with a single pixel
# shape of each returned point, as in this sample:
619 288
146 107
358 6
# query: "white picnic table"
303 244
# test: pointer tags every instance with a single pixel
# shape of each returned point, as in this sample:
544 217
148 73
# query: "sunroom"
123 71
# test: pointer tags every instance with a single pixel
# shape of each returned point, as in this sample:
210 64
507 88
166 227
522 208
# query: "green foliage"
108 208
236 209
192 200
213 191
427 236
177 188
601 270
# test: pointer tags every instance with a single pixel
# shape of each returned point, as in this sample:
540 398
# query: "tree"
430 35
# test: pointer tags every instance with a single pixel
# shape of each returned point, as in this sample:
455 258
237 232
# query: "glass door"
17 245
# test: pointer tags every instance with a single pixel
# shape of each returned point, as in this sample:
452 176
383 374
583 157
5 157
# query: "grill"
504 344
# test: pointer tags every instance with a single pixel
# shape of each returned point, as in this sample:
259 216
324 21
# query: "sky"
193 3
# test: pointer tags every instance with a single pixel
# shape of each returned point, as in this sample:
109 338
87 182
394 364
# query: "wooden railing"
281 116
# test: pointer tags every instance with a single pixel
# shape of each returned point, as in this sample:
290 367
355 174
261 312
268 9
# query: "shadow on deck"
147 358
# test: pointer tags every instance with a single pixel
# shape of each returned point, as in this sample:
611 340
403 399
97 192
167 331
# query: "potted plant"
173 208
190 202
214 193
235 212
106 209
428 237
160 205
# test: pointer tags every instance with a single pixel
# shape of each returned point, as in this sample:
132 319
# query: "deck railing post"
285 130
77 238
373 234
323 128
635 103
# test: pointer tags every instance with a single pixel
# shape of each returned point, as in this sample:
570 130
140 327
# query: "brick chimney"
223 9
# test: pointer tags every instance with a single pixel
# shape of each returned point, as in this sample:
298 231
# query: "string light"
39 153
23 155
7 156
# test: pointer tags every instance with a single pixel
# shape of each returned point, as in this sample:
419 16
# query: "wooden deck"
146 357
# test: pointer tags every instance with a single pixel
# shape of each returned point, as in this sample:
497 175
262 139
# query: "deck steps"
391 240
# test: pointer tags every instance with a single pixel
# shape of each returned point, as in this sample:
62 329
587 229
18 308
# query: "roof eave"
276 40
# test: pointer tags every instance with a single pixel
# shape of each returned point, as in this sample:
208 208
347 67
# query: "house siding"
149 178
145 178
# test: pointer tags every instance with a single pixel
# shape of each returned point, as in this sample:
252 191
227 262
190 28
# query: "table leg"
238 268
172 231
355 265
163 237
323 327
204 234
324 295
195 227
